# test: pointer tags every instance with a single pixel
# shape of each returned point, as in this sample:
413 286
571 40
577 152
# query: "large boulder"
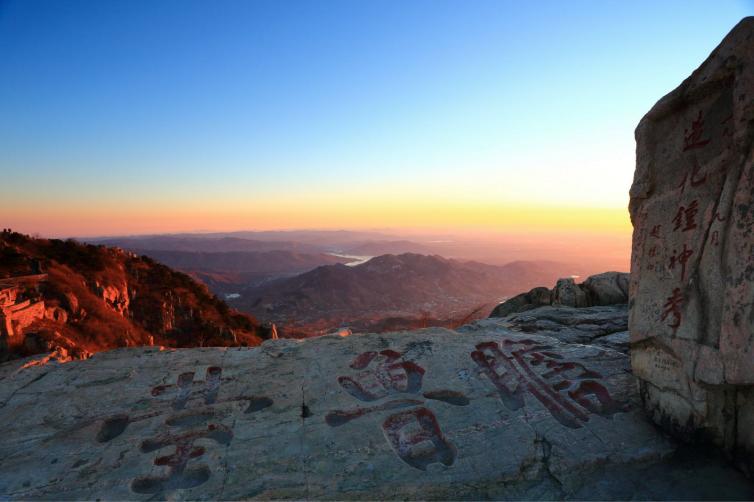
608 288
691 319
568 294
486 412
537 297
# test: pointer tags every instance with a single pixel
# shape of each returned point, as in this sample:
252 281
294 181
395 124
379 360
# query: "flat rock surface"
568 324
483 412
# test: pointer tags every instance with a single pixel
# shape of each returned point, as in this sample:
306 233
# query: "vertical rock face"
691 316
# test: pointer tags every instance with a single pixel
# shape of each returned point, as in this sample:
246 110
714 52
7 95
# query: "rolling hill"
229 272
392 291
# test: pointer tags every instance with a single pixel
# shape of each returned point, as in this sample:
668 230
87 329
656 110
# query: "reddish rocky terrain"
78 299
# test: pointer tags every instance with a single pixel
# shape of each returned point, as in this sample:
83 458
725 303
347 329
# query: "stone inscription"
692 138
665 363
568 390
194 410
393 383
673 259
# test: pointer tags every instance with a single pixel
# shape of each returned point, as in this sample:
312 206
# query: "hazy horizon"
593 253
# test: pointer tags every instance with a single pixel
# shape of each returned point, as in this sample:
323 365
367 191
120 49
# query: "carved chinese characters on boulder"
188 410
674 238
525 369
692 207
386 382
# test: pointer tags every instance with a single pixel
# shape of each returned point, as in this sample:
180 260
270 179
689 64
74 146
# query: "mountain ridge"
227 272
80 299
409 285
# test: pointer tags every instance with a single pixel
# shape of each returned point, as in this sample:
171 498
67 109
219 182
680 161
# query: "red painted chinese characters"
692 138
672 308
568 390
414 434
194 411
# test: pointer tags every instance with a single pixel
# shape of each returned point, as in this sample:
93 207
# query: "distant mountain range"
376 248
392 290
299 279
229 263
590 254
205 244
94 297
229 272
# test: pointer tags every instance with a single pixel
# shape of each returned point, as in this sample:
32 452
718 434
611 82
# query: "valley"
392 292
311 283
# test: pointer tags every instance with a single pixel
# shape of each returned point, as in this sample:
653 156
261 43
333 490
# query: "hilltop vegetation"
96 298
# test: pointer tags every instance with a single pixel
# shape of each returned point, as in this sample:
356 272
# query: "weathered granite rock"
485 412
568 294
589 325
537 297
608 288
692 273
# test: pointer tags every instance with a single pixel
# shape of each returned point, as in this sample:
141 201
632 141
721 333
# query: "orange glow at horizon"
93 219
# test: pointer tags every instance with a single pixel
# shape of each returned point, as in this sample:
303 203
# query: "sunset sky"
134 116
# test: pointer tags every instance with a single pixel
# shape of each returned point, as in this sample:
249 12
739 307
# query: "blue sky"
133 105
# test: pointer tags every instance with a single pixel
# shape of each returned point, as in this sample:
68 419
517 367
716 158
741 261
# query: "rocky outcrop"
692 273
17 317
568 294
17 312
115 296
503 409
605 326
609 288
94 298
537 297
